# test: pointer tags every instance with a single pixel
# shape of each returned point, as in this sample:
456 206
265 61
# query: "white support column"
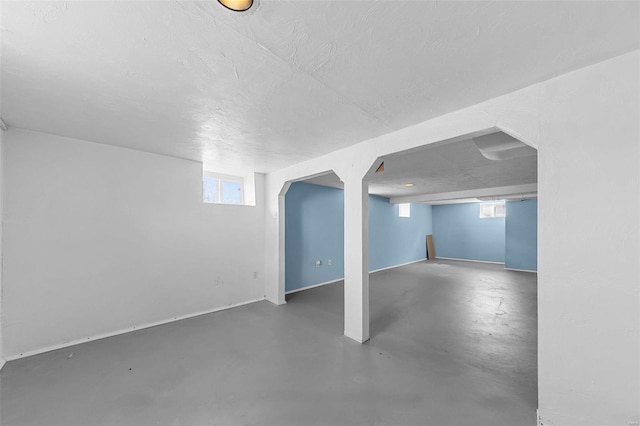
281 244
274 240
356 257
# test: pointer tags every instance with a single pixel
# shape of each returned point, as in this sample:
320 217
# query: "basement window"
496 209
222 189
404 210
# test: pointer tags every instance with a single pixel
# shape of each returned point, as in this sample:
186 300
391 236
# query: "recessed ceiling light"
236 5
408 185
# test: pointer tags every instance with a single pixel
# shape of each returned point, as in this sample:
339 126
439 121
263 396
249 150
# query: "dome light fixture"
408 185
236 5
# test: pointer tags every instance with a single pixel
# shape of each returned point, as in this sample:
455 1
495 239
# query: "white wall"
99 239
588 276
585 125
1 226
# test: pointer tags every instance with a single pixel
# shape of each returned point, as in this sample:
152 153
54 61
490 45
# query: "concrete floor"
453 343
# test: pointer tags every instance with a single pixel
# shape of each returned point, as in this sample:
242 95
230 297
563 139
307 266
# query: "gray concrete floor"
453 343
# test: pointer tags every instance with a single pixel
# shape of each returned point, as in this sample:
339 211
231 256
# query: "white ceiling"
287 81
454 168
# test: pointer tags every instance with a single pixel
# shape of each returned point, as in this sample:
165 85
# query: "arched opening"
475 298
314 245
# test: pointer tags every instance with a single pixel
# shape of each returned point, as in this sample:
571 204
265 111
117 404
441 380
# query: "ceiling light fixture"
236 5
408 185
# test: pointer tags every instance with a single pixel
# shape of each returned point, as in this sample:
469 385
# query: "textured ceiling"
441 170
287 81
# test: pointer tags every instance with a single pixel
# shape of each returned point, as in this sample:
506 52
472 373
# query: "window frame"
493 213
404 210
221 180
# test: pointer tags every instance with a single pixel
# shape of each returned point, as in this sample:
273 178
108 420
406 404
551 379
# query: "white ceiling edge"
473 195
330 180
512 197
478 200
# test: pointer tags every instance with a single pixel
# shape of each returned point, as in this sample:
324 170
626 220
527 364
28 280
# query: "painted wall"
588 300
521 235
395 240
99 239
460 233
588 292
314 219
1 240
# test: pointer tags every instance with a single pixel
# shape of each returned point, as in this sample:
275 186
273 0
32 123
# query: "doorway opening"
314 242
476 301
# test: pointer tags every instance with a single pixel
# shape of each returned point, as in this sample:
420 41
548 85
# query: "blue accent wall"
314 221
314 230
459 233
395 240
521 235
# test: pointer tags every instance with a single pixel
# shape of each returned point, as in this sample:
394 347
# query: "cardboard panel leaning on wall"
521 235
100 239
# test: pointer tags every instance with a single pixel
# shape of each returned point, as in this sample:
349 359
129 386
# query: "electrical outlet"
329 262
318 263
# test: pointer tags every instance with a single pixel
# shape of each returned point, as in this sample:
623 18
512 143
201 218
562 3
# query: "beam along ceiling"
493 165
286 81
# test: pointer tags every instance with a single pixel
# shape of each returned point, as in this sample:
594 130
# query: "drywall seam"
126 330
521 270
470 260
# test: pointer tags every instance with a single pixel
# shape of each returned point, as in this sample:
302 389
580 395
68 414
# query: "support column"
274 240
356 258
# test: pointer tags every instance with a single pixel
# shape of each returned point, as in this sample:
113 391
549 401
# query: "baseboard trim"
340 279
521 270
276 302
397 266
470 260
126 330
313 286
